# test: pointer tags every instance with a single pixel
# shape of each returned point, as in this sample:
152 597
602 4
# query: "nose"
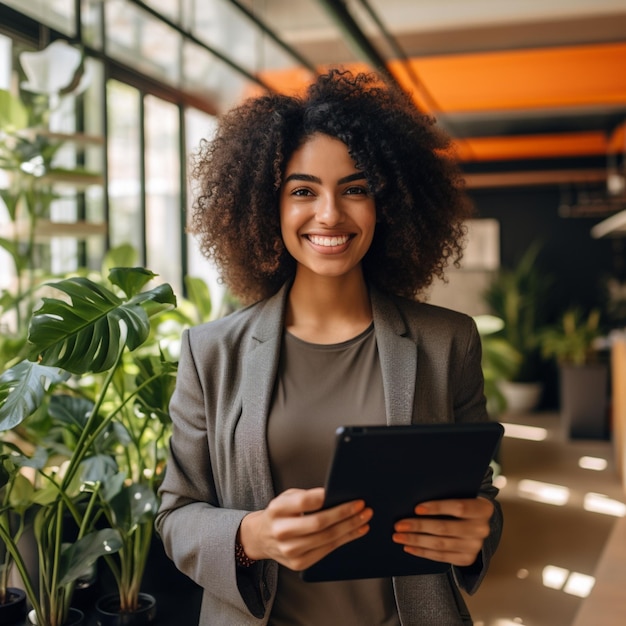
328 211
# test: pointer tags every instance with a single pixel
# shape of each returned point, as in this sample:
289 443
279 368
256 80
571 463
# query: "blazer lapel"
398 359
259 374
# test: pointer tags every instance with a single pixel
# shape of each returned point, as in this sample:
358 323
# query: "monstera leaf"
22 389
88 333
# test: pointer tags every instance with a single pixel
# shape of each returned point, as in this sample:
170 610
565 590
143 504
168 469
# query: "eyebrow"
315 179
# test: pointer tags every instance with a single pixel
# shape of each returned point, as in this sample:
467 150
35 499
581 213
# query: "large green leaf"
88 333
22 389
86 551
13 113
199 295
157 380
133 505
124 255
131 280
11 199
97 469
70 411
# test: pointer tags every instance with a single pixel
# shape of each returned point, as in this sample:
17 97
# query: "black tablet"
394 468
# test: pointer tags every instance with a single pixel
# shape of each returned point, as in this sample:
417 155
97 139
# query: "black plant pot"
14 609
108 611
75 618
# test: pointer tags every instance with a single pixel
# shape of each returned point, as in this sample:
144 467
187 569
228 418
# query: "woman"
331 213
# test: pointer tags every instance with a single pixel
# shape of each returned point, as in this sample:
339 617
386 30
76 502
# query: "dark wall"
579 263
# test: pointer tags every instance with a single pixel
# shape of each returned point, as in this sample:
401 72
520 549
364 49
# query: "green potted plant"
82 334
519 296
583 377
129 499
499 361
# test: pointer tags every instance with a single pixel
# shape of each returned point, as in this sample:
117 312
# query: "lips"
329 242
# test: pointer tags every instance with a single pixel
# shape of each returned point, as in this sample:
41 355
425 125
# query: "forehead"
320 151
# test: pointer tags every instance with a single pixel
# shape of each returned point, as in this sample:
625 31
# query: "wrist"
248 550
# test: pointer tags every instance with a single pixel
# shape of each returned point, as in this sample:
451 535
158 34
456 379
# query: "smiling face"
327 215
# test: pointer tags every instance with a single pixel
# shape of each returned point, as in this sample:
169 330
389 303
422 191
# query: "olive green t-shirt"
319 388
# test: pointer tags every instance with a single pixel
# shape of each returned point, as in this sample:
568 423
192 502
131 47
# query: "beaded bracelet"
241 558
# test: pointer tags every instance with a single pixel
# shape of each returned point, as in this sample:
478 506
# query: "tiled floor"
537 534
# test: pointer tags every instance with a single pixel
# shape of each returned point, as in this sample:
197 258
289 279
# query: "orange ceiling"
534 82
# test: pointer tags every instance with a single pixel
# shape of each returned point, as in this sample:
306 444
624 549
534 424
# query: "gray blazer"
219 469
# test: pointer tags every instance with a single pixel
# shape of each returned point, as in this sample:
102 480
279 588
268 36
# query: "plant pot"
14 609
521 397
584 400
108 611
75 618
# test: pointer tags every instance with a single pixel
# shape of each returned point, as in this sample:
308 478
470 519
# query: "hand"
295 532
458 540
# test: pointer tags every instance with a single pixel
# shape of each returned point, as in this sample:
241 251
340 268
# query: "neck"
328 309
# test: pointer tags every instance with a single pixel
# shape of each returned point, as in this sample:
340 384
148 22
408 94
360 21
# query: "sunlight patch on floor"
558 495
599 503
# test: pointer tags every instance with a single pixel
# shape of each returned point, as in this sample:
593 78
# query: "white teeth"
328 241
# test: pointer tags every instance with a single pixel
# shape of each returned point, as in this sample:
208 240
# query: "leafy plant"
499 362
84 334
520 296
572 340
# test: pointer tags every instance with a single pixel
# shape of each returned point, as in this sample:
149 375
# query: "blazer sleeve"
469 405
199 535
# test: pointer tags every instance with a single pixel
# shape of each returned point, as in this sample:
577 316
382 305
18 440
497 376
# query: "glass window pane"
124 166
223 27
167 8
163 210
305 26
199 125
58 14
136 38
91 18
93 157
211 79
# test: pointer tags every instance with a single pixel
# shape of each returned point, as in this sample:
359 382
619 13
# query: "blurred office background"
533 94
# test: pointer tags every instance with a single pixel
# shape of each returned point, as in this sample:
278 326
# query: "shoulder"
259 321
424 316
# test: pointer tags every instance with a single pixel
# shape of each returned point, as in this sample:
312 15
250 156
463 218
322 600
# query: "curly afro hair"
418 191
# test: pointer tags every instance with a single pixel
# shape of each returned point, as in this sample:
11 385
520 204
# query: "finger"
461 559
443 527
469 508
308 550
455 550
297 501
350 514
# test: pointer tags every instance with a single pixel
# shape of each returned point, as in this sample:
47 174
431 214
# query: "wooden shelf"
47 229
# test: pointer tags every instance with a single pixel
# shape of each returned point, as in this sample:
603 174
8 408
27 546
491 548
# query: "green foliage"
572 340
520 297
107 420
87 333
500 361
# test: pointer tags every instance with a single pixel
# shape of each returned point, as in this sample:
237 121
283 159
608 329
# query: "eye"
301 192
357 190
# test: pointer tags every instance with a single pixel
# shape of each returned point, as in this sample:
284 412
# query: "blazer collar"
397 352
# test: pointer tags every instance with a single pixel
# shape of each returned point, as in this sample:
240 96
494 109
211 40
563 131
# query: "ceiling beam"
534 178
360 44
